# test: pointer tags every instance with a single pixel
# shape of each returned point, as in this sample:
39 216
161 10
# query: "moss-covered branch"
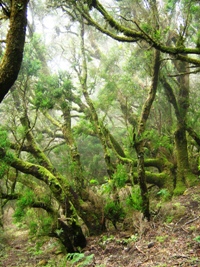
53 120
34 148
39 172
113 142
162 180
123 33
44 206
158 163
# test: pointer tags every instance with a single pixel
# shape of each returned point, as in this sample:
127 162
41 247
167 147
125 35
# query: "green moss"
180 189
192 179
161 239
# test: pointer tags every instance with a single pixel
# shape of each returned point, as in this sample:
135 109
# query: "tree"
15 39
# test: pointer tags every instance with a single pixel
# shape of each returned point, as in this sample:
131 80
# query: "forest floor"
172 238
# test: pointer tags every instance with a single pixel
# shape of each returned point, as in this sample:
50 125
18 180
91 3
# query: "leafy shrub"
22 203
135 200
4 142
38 220
120 177
114 212
33 227
79 259
164 194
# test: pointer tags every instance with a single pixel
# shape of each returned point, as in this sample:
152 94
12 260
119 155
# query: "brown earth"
172 238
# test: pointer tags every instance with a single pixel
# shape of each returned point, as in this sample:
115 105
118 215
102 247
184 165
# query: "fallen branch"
139 250
184 230
192 220
180 256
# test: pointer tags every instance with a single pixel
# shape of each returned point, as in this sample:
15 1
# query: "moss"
192 179
180 189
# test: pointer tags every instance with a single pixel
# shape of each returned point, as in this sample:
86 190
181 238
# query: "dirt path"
171 239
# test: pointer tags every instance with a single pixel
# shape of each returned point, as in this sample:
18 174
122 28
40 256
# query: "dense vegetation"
103 112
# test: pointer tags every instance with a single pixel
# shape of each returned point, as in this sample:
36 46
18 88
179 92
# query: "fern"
135 199
120 177
79 259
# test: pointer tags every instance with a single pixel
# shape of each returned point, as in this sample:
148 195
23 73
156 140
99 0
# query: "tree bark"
139 142
11 61
180 103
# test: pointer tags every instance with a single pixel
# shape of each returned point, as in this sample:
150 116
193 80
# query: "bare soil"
172 238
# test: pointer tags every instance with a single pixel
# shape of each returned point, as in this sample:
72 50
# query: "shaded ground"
171 239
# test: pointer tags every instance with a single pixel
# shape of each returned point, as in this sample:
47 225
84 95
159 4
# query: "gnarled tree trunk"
11 61
139 144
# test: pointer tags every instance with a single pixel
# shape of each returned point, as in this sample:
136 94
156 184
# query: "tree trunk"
11 61
139 144
71 235
142 179
184 174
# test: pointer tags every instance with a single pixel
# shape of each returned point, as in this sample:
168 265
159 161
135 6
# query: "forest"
100 125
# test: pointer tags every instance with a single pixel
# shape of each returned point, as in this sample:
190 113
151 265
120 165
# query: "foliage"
23 202
79 259
94 182
135 200
169 218
132 238
120 176
161 239
32 64
114 212
197 239
159 141
37 220
164 194
91 153
107 238
50 89
4 140
43 90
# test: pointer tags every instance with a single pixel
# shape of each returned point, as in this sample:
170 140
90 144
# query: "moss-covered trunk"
180 102
11 61
77 173
142 180
139 141
184 174
183 169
